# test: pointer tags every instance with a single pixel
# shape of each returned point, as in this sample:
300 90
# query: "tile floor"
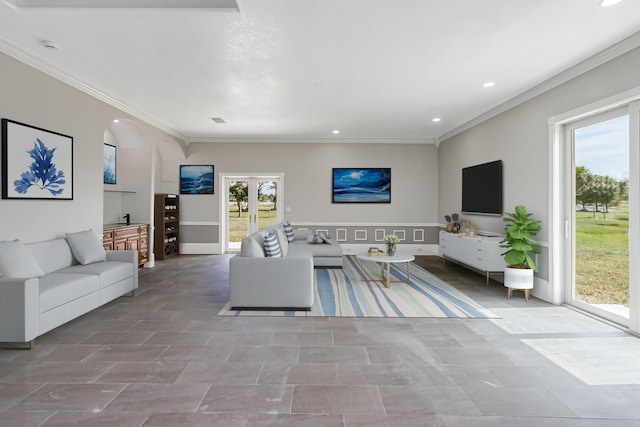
163 358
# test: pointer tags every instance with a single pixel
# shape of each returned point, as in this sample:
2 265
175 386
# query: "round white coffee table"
385 263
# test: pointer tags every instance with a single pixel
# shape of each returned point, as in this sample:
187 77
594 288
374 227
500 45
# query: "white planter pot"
518 278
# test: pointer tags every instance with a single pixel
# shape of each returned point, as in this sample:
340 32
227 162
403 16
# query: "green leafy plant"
518 232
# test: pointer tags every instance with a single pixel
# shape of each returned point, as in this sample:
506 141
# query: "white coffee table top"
398 257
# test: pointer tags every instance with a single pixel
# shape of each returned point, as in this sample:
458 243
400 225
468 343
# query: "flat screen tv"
482 189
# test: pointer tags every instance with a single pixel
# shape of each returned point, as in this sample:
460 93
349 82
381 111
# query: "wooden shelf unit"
167 225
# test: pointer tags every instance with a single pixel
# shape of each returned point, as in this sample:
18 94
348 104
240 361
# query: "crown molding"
128 4
64 77
600 58
304 140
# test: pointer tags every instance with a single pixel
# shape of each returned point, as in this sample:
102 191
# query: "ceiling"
293 70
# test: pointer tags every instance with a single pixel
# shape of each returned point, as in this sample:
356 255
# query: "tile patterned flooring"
163 358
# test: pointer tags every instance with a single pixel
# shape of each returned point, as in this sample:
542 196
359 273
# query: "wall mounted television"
482 189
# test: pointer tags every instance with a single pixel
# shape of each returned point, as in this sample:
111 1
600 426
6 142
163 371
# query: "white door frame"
223 179
560 225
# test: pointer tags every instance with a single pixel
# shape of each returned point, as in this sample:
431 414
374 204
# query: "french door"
251 202
598 212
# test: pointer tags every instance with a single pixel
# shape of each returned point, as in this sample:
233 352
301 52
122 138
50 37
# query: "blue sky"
603 147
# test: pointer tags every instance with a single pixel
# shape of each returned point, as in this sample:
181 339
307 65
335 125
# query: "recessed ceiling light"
607 3
116 121
336 131
436 119
489 84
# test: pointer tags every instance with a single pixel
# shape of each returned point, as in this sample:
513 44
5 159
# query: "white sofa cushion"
283 242
109 272
17 262
251 248
52 255
86 247
57 289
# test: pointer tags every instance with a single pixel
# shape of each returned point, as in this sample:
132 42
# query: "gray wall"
425 179
520 138
30 96
307 172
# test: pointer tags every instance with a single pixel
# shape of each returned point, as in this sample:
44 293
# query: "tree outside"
239 207
602 212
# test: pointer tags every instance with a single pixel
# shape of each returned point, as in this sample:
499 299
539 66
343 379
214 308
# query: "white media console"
480 252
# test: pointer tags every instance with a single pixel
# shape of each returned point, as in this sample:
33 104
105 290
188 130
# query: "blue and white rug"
343 293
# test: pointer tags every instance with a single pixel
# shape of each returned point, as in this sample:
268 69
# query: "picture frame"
36 163
196 179
110 164
361 185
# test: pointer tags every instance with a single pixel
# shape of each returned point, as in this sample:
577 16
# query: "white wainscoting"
200 248
413 249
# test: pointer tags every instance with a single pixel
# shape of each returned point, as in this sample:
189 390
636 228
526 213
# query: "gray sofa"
61 288
260 282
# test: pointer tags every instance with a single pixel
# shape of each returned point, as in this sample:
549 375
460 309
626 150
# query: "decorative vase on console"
391 240
456 224
449 227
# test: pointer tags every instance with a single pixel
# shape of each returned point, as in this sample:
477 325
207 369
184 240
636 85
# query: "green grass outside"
267 216
602 257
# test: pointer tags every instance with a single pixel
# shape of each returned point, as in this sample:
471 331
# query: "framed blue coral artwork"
36 163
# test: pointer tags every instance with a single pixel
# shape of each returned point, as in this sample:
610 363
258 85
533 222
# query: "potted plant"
391 240
519 230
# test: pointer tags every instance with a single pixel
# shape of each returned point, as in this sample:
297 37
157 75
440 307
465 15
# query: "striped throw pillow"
271 246
288 230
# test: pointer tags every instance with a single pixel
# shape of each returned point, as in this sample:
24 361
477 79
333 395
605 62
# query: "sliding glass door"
599 212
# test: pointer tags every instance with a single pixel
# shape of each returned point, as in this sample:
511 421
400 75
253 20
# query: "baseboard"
413 249
199 248
347 249
542 289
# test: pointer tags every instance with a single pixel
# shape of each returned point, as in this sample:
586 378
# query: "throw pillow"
314 239
16 262
250 248
271 246
283 242
86 247
326 239
288 230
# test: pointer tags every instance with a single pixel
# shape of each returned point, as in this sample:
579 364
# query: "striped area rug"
343 293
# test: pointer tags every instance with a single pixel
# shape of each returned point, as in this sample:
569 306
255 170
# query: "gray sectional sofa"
286 282
47 284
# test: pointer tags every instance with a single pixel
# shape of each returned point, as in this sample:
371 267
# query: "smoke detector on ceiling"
218 120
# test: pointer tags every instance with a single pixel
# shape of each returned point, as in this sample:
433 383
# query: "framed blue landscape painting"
196 179
361 185
109 164
36 163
